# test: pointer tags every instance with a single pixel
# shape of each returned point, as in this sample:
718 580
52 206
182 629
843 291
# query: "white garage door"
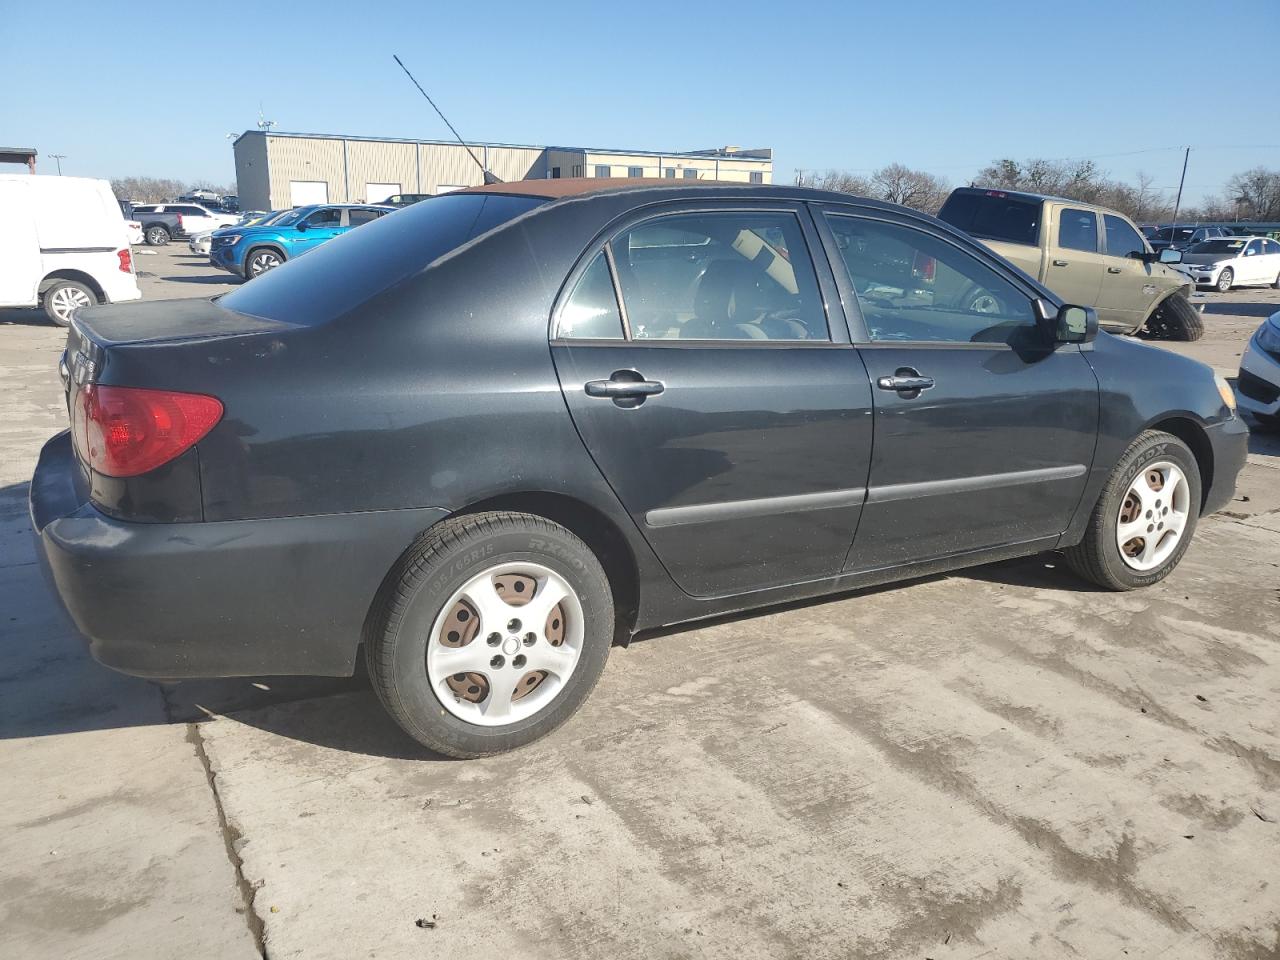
303 193
377 192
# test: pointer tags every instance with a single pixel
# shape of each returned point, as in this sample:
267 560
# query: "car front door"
730 418
1128 292
1076 264
1251 265
1271 262
317 227
984 429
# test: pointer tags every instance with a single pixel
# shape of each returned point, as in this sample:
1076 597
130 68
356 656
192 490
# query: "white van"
63 245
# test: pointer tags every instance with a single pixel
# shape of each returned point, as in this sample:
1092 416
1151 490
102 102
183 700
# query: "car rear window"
359 264
994 216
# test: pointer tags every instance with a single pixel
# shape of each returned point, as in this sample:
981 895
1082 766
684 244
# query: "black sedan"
487 436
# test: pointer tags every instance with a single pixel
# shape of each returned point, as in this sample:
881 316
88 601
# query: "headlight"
227 239
1268 335
1224 390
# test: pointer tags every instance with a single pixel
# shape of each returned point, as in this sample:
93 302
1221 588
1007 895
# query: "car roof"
653 188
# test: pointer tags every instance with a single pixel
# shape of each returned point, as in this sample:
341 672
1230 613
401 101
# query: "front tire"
1176 319
1145 517
64 298
1225 279
157 236
490 632
260 261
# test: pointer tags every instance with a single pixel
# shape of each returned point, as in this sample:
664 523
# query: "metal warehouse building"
277 170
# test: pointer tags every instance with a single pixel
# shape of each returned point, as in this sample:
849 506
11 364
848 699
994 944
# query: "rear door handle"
1059 263
1113 269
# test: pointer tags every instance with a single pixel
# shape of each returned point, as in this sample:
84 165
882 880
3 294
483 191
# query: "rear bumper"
1230 443
235 598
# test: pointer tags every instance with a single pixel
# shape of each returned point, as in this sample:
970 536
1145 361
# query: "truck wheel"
157 236
1145 517
1176 319
64 298
490 632
1225 279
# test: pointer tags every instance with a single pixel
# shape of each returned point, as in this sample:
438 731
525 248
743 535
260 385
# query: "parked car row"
252 248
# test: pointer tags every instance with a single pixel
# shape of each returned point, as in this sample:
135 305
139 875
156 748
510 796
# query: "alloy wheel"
66 300
1224 280
1153 514
260 263
505 644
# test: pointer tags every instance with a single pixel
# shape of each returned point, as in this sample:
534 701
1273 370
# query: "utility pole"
1178 202
58 157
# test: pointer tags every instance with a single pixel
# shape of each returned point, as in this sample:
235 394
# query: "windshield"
1218 246
359 264
994 216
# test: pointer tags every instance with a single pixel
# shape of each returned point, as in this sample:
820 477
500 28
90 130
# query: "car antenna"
488 177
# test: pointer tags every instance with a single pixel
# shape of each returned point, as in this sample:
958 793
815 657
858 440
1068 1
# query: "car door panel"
996 449
749 468
747 471
1077 275
1127 293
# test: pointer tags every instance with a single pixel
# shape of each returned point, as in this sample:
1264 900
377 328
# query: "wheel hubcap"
66 300
1153 515
264 262
505 644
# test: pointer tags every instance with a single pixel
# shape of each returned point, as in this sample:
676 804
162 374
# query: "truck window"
1122 239
994 216
1078 230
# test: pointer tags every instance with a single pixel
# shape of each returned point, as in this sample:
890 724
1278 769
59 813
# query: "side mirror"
1170 255
1075 324
302 225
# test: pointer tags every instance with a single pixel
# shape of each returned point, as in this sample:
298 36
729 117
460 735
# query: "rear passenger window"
915 286
719 276
357 217
591 312
1122 239
1078 230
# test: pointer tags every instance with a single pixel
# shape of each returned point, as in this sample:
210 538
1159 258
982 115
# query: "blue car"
252 250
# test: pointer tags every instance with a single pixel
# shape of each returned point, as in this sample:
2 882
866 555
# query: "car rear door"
730 417
984 430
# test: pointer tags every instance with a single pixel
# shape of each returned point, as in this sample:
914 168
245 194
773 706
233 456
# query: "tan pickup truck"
1086 254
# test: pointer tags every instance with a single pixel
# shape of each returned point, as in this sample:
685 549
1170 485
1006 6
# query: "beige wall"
265 166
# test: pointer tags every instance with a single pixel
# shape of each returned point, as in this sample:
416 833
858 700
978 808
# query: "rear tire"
1275 284
450 658
157 236
64 298
1100 557
1176 319
1225 279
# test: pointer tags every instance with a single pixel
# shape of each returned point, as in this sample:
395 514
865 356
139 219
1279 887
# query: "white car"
195 218
1228 262
200 243
63 245
1259 382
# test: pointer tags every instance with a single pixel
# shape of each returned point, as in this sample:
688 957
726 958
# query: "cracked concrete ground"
998 763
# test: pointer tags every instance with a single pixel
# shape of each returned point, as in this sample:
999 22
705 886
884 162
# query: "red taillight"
923 267
127 431
126 260
179 216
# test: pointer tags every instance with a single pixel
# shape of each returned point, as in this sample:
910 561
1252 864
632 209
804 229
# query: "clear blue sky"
146 88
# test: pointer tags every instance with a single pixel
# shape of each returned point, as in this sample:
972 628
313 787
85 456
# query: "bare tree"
1256 193
158 189
841 182
911 188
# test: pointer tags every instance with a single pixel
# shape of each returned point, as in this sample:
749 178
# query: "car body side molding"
932 488
764 506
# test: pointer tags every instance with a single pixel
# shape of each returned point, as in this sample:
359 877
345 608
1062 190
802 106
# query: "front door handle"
905 384
1113 269
626 388
1059 263
623 388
